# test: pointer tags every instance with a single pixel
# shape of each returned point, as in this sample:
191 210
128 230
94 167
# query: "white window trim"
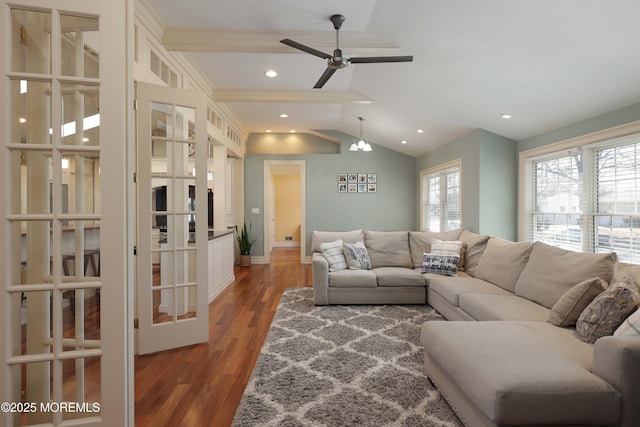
435 169
524 202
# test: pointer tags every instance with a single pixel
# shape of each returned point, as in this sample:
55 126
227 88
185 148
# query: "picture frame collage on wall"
357 183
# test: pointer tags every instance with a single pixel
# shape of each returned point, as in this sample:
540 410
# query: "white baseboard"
286 244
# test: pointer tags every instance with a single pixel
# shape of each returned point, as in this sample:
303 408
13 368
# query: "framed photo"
372 187
362 178
353 188
342 187
353 178
372 178
342 177
362 188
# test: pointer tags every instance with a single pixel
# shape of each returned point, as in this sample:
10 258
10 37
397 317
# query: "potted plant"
245 243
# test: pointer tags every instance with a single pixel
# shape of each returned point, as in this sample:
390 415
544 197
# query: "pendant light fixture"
360 144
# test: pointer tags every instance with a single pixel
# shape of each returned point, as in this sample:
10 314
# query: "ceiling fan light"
354 147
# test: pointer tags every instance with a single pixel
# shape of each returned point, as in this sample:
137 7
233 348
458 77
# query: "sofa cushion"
502 307
318 237
503 261
388 248
450 288
399 277
566 311
608 310
552 271
621 269
440 264
476 245
523 373
353 279
357 256
630 326
334 254
420 242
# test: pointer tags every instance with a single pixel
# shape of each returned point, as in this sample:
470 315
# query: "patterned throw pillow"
450 248
357 256
334 254
631 326
440 264
608 310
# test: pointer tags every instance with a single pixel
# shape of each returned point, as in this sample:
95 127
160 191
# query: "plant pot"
245 260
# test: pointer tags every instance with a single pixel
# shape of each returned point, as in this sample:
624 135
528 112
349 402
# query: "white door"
172 272
64 258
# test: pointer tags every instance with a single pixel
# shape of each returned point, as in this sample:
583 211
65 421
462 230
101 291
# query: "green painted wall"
392 207
489 180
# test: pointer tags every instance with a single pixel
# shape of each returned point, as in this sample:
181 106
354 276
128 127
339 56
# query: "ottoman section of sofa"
518 373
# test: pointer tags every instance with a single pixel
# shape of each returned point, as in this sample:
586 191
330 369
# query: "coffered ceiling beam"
294 96
268 41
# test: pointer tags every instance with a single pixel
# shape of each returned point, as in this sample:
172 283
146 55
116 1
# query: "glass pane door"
172 218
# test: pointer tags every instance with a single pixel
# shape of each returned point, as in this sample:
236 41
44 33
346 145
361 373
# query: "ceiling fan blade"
324 77
375 59
304 48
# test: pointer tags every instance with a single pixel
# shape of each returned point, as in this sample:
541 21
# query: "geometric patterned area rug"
358 365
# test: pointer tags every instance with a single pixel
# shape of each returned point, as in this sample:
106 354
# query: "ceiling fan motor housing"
337 61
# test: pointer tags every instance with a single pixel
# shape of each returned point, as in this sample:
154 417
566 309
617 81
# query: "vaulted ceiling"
548 63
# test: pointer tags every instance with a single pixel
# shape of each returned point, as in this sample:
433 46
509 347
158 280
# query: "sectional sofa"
511 353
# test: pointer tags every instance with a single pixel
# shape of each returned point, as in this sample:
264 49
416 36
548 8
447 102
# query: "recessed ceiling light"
85 139
292 131
284 116
506 116
22 120
271 73
268 131
420 131
403 142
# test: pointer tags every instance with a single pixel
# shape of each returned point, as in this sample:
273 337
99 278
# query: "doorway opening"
284 206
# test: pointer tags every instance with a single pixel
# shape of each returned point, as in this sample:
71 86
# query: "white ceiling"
549 63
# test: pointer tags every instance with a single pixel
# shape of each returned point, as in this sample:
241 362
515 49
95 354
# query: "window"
588 199
440 197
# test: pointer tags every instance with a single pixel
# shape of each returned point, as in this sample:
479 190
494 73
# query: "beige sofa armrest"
617 361
320 274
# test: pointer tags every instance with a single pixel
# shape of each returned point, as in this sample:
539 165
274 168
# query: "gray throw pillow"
567 310
608 310
357 256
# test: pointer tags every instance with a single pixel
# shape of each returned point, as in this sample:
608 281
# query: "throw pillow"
451 248
631 326
566 311
357 256
440 264
334 254
608 310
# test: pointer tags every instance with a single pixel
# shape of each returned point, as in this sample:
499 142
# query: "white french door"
65 357
172 199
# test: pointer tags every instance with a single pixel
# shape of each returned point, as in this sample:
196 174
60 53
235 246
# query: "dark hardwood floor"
202 385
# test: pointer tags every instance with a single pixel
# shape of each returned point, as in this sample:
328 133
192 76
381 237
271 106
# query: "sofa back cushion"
420 242
318 237
388 248
502 262
476 244
552 271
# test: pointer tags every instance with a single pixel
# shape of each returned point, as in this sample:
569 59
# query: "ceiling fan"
336 60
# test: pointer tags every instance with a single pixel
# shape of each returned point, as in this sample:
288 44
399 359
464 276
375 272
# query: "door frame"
268 164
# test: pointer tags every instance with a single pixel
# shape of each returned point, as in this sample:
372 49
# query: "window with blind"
588 199
440 198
